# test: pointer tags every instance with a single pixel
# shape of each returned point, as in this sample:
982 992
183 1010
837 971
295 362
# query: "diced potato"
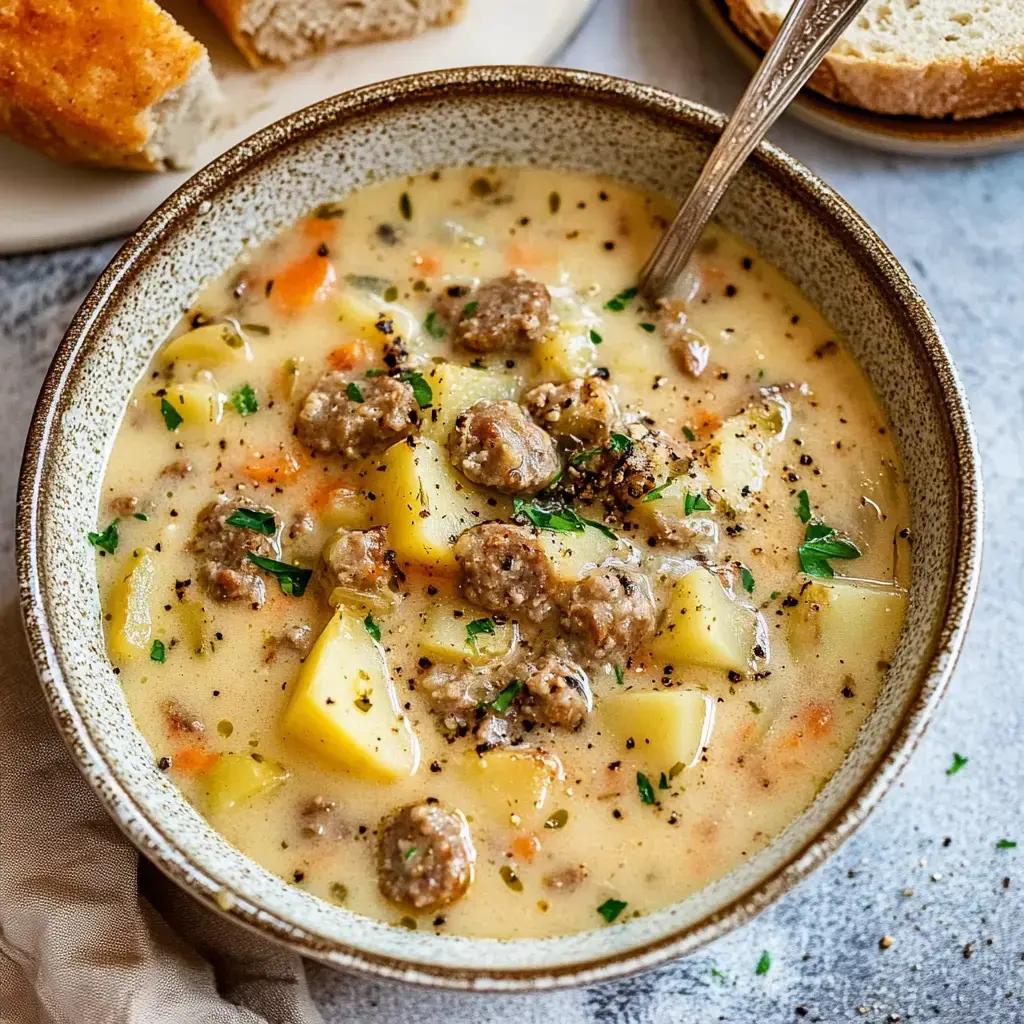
737 459
672 500
130 624
348 508
456 388
208 346
237 778
359 314
667 727
427 504
566 353
509 781
343 706
197 402
445 635
573 554
833 618
703 625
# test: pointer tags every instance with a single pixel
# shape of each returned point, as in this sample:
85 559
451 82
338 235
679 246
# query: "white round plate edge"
47 205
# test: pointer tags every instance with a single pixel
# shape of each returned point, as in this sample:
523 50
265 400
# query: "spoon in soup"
810 30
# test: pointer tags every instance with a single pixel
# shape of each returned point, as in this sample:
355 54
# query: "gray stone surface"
925 869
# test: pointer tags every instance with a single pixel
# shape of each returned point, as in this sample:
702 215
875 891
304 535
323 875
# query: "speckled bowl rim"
933 674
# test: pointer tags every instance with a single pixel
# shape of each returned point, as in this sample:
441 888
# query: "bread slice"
116 83
927 58
280 31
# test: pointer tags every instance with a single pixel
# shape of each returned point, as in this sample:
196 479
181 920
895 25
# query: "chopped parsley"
421 390
820 544
256 328
958 762
1006 844
251 519
158 652
611 909
617 303
371 626
619 674
803 508
764 964
410 853
558 819
556 517
142 516
695 503
405 206
657 493
353 392
689 434
107 540
618 444
469 308
580 457
649 328
595 337
501 703
600 527
244 400
293 579
172 418
718 975
475 628
646 789
432 327
663 781
376 373
747 579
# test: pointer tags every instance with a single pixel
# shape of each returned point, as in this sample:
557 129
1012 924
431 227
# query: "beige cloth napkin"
88 934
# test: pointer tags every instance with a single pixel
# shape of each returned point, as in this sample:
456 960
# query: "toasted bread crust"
957 88
77 79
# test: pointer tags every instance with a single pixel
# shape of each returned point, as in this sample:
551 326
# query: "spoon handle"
808 33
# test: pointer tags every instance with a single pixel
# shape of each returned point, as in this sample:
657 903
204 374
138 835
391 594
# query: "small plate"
46 205
913 136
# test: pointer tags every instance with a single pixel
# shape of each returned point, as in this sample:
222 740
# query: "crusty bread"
927 58
115 83
280 31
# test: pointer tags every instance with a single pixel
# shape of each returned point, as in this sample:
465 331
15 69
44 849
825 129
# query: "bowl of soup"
413 590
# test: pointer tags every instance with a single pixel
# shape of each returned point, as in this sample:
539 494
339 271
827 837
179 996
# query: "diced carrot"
350 354
319 229
427 262
524 257
707 420
321 496
525 846
194 760
817 718
273 469
301 283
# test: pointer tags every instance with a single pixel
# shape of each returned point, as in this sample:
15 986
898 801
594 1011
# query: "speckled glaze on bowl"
482 115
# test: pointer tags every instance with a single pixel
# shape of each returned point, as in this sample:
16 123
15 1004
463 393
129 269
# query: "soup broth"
421 507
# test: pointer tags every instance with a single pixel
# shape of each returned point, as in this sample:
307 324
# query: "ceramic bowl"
484 116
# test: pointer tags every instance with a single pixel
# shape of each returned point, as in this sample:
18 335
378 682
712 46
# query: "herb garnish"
619 302
421 390
405 206
256 328
140 515
371 626
107 540
432 327
158 652
353 393
689 434
475 628
293 579
663 781
595 337
803 508
410 853
764 964
695 503
718 975
1006 844
376 373
600 527
619 674
251 519
501 703
649 328
611 909
747 579
172 418
558 819
618 444
656 493
469 308
821 543
958 762
560 518
646 789
244 400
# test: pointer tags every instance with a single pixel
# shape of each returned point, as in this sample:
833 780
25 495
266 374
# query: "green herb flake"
774 594
405 206
676 769
718 975
595 337
559 518
421 390
252 519
172 418
649 328
292 579
469 308
607 531
821 543
619 302
158 652
354 393
611 909
584 456
958 762
803 507
1006 844
620 444
371 626
329 211
107 540
256 329
657 493
620 676
337 892
141 516
663 781
510 878
689 434
559 819
755 707
695 503
501 703
476 627
764 965
410 853
244 400
433 326
747 579
643 784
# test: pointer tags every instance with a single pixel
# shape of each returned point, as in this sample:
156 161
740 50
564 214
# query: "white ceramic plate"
45 205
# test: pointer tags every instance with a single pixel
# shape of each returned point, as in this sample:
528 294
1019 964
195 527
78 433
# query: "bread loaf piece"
116 83
280 31
926 58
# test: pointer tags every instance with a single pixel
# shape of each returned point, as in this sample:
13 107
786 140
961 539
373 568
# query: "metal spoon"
808 33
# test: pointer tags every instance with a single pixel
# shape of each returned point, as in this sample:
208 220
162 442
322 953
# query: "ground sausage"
495 445
511 312
124 505
696 536
609 612
689 349
357 560
652 459
225 570
457 691
583 409
333 419
425 856
451 303
556 691
505 569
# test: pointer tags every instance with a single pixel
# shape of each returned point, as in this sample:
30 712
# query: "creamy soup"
459 586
